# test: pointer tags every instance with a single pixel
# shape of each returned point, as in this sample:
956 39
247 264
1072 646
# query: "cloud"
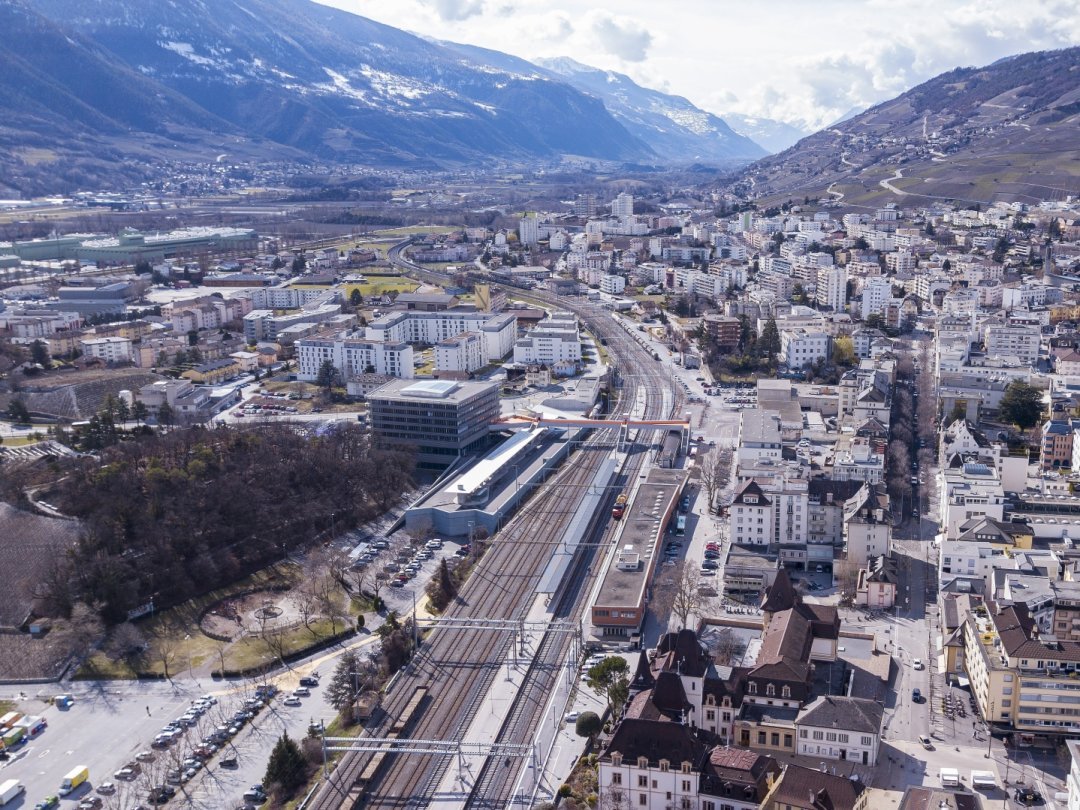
621 37
456 10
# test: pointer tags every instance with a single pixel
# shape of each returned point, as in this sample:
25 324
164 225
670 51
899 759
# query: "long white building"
497 331
353 357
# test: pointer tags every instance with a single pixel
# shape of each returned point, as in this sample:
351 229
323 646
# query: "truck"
983 780
12 736
950 777
75 777
10 789
9 719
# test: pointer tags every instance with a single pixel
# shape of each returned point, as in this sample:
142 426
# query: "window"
686 785
710 714
775 739
643 799
642 781
787 741
802 734
843 738
830 736
818 735
751 688
770 689
786 691
761 738
868 741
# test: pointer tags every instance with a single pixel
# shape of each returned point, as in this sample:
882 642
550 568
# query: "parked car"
916 695
571 717
292 700
925 742
301 691
917 663
307 680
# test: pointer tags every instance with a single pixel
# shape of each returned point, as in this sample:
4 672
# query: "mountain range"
97 90
1004 131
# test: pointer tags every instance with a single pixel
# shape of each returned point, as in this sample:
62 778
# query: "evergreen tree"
326 375
286 769
17 411
769 342
341 691
166 415
39 353
138 411
1021 404
355 298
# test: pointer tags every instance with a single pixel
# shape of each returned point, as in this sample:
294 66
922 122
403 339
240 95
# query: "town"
637 501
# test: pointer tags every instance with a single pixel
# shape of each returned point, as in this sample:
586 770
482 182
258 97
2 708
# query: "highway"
458 666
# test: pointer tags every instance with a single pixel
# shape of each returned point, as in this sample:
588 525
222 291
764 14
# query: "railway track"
494 785
457 667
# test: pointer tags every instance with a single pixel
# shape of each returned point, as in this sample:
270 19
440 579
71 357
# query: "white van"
950 777
983 780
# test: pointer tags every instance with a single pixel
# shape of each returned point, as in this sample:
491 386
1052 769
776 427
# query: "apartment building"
461 354
498 331
555 340
802 347
1009 340
759 436
612 284
1024 681
108 349
353 357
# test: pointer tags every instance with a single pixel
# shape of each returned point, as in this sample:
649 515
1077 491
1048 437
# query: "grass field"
173 636
250 653
386 284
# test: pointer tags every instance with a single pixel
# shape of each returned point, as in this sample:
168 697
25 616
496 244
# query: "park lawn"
387 284
174 634
656 299
253 652
19 441
7 706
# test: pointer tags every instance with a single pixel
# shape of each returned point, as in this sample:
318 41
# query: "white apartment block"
1013 341
462 353
612 284
288 297
353 357
555 340
108 349
801 347
900 262
498 331
529 230
623 205
875 294
832 288
751 516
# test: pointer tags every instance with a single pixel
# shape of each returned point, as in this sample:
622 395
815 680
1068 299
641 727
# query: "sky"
806 62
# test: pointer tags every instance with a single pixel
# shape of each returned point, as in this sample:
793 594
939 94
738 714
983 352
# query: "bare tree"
275 644
715 469
166 650
678 593
80 634
726 647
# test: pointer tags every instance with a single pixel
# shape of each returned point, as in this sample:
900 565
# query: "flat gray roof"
642 533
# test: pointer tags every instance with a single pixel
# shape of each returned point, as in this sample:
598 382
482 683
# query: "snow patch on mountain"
187 50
